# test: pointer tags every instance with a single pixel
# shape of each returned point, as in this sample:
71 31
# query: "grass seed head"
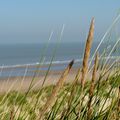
51 100
87 52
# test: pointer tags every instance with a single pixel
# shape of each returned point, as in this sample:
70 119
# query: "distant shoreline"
21 82
19 70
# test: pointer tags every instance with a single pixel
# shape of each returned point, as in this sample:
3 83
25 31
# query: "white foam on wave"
53 62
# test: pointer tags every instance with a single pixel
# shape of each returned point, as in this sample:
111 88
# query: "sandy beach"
21 83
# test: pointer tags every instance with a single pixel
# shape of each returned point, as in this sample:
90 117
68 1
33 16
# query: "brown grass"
51 100
118 107
87 53
85 63
91 91
73 86
12 114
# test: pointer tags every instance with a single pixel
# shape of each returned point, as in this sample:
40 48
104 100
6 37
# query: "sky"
31 21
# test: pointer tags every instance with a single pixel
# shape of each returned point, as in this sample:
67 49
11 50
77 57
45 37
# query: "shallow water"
17 56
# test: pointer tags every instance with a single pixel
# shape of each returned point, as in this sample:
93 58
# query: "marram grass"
100 95
107 96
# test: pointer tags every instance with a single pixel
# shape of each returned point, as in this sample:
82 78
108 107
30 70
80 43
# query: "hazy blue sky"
31 21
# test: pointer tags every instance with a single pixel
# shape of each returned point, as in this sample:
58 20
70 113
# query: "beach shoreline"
21 83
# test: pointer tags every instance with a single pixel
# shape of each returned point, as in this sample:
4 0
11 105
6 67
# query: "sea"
22 59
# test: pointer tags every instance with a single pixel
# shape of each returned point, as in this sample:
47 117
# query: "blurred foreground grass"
105 102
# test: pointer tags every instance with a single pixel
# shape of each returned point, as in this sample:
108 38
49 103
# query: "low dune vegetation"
85 98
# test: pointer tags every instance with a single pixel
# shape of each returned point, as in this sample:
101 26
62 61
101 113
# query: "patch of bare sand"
22 83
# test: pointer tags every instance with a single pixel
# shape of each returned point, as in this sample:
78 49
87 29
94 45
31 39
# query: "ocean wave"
37 63
53 62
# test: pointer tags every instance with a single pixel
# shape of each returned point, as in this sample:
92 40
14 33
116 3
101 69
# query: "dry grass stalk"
72 92
12 114
53 97
77 77
119 100
85 64
118 107
87 52
91 91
